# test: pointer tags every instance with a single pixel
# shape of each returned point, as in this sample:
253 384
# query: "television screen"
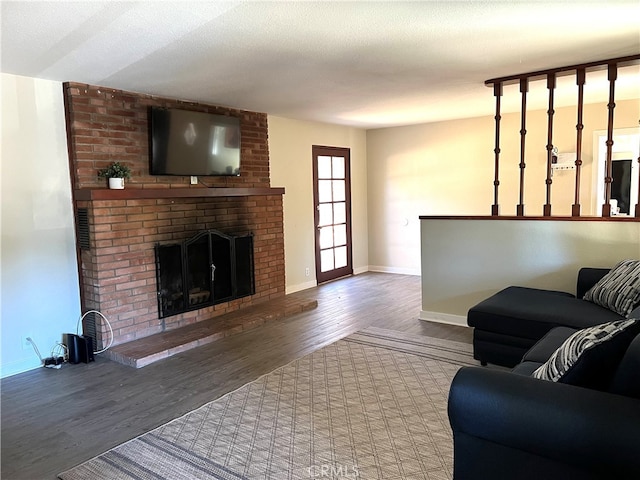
194 143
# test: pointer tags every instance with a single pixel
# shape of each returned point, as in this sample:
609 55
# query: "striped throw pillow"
590 356
618 290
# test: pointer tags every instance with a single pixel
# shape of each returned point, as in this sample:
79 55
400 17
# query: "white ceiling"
366 64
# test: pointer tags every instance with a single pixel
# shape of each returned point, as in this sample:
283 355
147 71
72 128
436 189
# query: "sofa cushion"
587 278
547 345
526 368
618 290
589 357
626 380
531 313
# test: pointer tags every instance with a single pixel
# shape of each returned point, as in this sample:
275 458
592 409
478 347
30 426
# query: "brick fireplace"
118 230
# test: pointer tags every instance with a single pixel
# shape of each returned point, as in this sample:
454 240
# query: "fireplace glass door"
222 268
208 269
170 287
244 266
199 271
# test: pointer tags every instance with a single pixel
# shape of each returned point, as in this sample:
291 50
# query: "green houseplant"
116 173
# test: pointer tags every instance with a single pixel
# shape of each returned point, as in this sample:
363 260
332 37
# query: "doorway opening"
624 168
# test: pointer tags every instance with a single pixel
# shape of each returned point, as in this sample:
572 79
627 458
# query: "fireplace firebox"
207 269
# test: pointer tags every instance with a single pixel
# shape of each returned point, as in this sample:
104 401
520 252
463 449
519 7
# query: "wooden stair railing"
580 71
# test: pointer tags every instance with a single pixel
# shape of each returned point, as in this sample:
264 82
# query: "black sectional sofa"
584 424
507 324
508 425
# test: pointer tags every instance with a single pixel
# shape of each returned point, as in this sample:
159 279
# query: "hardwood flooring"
54 419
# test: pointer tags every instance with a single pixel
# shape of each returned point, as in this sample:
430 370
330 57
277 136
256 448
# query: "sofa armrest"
587 278
593 430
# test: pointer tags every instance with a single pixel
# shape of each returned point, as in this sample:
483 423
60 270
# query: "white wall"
290 143
39 293
430 169
447 168
466 261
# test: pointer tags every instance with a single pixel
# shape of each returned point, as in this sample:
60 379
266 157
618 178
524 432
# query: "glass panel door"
332 212
198 271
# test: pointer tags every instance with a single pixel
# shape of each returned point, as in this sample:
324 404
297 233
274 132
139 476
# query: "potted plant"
116 173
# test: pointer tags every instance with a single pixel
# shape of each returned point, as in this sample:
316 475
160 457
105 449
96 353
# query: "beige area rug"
371 406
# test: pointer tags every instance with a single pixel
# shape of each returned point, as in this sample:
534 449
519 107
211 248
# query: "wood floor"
54 419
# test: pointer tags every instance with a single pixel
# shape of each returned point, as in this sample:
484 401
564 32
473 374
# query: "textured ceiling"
367 64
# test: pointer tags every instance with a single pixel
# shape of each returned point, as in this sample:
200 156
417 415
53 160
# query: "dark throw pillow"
618 290
590 356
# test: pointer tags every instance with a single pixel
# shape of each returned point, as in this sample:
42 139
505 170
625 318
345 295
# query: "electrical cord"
54 361
35 347
60 350
108 326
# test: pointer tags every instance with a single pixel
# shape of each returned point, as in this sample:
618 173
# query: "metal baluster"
497 92
580 81
551 85
524 88
608 179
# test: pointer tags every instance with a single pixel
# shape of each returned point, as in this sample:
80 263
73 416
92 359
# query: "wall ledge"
616 218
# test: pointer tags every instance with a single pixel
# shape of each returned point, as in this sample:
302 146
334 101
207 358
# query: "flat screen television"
193 143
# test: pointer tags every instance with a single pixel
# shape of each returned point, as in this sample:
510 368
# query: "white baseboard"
400 271
301 286
20 366
356 271
448 318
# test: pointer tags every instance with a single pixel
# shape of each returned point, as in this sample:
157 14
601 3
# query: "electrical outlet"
306 272
26 344
194 180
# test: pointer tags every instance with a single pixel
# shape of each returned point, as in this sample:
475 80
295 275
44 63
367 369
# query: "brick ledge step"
147 350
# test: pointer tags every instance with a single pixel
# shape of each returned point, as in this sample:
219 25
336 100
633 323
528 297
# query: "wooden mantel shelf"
90 194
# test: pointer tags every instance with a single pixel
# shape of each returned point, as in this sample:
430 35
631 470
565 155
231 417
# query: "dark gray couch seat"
530 312
542 350
507 324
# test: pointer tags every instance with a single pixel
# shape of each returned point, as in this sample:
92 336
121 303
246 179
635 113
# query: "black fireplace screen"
208 269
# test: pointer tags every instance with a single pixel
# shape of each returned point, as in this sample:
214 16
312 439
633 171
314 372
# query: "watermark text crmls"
334 471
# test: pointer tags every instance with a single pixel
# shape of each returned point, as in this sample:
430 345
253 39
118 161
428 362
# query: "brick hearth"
147 350
120 230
